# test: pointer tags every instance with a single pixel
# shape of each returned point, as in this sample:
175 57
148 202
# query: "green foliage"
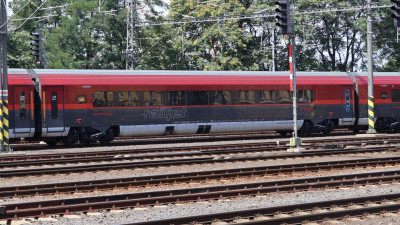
19 53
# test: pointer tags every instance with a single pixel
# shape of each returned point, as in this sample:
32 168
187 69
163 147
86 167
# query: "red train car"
386 99
21 97
89 105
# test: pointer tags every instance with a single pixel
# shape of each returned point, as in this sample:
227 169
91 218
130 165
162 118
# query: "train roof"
188 79
19 79
182 78
380 78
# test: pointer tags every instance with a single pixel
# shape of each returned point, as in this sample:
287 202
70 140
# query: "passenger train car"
97 105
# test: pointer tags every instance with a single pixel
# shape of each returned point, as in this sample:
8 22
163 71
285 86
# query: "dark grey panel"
130 116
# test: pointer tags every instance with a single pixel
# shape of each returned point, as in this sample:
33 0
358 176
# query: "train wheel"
283 133
106 139
86 142
68 141
71 138
51 143
329 126
379 126
305 130
326 132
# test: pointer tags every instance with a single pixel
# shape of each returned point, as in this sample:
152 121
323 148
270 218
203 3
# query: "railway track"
331 143
131 182
179 196
296 214
144 181
167 162
175 139
239 148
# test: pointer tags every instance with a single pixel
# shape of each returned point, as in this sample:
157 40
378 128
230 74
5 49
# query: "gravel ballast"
172 211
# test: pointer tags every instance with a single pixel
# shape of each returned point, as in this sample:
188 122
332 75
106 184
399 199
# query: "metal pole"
5 146
371 114
1 81
292 64
295 141
45 52
273 49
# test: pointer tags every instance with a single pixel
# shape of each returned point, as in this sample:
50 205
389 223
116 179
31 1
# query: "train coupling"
97 136
3 210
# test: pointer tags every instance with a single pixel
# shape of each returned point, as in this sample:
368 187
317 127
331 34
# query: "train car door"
23 111
348 101
53 109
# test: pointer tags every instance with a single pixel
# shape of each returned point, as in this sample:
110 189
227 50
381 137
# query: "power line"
33 18
37 9
340 9
15 14
251 16
56 7
205 19
213 19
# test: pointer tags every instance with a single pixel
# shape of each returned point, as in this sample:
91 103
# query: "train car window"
109 98
305 96
266 97
139 98
384 95
152 98
246 97
81 99
221 98
311 96
199 98
217 98
54 105
284 97
396 95
22 106
124 98
133 98
234 97
99 99
176 98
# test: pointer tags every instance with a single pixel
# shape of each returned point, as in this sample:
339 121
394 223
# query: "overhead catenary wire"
216 19
37 9
252 16
15 14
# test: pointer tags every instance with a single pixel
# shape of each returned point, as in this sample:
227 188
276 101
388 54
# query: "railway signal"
286 25
37 45
396 12
283 16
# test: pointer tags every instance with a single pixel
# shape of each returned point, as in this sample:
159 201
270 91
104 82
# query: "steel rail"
175 139
274 146
143 199
144 181
162 140
198 138
217 148
197 159
297 213
238 148
267 146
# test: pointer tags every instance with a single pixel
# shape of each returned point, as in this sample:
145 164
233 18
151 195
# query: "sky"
9 11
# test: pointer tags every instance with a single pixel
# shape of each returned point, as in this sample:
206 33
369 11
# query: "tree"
214 46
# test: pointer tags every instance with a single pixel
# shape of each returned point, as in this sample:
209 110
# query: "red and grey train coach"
97 105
